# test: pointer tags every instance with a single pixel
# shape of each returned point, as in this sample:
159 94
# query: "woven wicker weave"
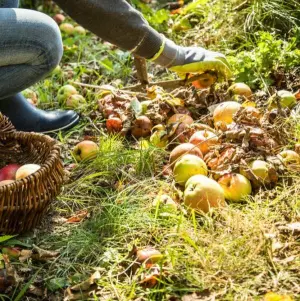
24 202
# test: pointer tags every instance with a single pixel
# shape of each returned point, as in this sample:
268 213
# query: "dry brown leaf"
43 255
78 217
87 284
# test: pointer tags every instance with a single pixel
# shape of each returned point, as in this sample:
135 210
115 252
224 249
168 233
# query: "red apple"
235 186
202 193
114 125
183 149
9 172
26 170
203 140
188 166
85 150
59 18
225 111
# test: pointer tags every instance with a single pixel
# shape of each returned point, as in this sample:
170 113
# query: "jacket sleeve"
9 3
117 22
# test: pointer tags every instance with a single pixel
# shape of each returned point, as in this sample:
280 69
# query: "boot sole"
64 128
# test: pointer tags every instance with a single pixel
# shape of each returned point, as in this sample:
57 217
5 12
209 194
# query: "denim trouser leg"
30 47
9 3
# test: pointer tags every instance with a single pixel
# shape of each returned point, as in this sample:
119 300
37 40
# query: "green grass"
237 253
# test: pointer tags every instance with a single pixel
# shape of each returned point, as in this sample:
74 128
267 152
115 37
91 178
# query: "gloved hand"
193 60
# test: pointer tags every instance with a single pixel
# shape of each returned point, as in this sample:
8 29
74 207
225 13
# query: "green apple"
67 28
286 98
235 186
188 166
75 101
260 169
202 193
85 150
290 158
65 92
79 30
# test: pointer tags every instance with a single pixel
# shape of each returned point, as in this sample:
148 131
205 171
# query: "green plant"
258 66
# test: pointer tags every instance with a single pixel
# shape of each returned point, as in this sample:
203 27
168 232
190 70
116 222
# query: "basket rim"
54 154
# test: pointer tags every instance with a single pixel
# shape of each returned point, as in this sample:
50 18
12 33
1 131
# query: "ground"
106 210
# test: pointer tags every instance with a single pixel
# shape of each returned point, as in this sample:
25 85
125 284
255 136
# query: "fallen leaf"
78 217
25 255
88 284
43 255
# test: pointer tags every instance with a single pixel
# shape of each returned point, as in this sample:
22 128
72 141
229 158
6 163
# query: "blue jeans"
30 47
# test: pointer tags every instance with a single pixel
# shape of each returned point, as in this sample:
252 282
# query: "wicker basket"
23 203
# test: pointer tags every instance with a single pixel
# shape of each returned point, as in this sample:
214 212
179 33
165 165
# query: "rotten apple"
114 124
141 127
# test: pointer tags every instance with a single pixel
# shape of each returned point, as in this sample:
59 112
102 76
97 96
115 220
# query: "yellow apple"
235 186
225 111
240 89
188 166
6 182
290 158
203 140
67 28
85 150
202 193
79 30
26 170
260 169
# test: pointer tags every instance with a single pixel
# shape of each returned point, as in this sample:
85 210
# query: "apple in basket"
26 170
9 172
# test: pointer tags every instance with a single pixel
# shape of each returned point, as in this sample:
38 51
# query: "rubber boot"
26 117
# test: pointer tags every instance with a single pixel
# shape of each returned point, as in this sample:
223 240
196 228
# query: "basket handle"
6 127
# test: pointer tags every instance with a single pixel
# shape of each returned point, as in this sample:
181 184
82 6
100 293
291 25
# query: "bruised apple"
205 82
9 172
141 127
235 186
26 170
225 111
203 140
188 166
75 101
202 193
183 149
240 89
85 150
114 125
